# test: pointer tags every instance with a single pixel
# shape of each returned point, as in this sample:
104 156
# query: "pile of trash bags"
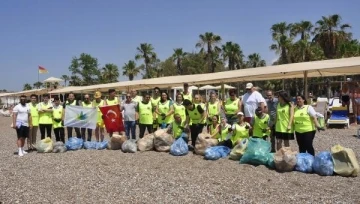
238 151
162 140
129 146
258 153
285 159
45 146
59 147
146 143
74 143
204 141
179 147
96 145
304 162
344 159
217 152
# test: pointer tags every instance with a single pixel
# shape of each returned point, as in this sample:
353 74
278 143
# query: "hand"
247 127
62 123
163 115
137 122
30 126
320 128
288 128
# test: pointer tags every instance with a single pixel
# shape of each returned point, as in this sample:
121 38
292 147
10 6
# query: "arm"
187 118
30 119
292 109
216 132
262 105
239 106
14 117
312 113
202 112
171 111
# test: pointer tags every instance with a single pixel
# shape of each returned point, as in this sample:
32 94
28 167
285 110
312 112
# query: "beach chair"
339 116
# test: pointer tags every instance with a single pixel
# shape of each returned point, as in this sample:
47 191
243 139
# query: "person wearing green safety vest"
144 111
231 107
284 130
165 111
155 99
179 108
198 101
45 110
178 128
72 102
58 120
195 119
33 105
186 94
213 108
86 103
100 126
240 129
224 136
305 124
112 100
261 124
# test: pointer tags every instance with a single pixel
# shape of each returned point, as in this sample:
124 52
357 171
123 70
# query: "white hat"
240 113
249 85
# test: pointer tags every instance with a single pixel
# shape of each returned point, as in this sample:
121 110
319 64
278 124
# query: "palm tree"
178 57
350 49
38 85
27 86
330 33
209 41
66 78
146 52
233 54
75 81
281 35
303 28
130 70
110 73
254 60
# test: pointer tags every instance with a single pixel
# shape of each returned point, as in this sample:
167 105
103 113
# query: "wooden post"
306 91
223 92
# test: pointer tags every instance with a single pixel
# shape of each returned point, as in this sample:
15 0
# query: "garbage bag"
304 162
146 143
179 147
238 151
90 145
323 164
129 146
345 162
217 152
102 145
204 141
45 146
59 147
116 142
257 153
162 140
285 159
74 143
270 162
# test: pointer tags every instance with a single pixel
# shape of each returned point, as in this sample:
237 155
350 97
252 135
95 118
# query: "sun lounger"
339 116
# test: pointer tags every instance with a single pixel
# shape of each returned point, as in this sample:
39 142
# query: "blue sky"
50 33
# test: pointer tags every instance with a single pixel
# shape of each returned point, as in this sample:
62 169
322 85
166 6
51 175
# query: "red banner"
112 118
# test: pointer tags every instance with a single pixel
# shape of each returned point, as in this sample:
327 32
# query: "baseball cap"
97 94
240 113
249 85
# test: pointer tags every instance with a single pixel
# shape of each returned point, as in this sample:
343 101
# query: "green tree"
330 34
66 78
303 28
194 63
146 52
38 85
233 54
254 60
178 57
110 73
86 69
27 86
130 70
209 42
169 68
75 81
283 41
350 49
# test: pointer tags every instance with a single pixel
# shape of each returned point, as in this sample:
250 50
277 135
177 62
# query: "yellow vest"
137 99
57 114
180 109
165 108
90 105
34 114
283 118
194 115
260 124
99 115
71 104
46 117
145 113
112 102
213 130
177 131
187 96
231 106
213 109
240 133
224 132
302 120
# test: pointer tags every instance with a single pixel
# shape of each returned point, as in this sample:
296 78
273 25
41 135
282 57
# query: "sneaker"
21 154
24 152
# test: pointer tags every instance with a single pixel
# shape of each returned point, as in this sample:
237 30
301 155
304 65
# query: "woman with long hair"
165 110
178 107
284 130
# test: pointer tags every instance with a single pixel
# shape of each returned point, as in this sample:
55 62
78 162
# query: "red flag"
112 118
42 70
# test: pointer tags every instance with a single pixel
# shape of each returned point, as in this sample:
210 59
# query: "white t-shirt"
23 113
251 103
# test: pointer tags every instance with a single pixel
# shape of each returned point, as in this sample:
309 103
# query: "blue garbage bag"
258 153
102 145
74 143
304 162
90 145
323 164
179 147
217 152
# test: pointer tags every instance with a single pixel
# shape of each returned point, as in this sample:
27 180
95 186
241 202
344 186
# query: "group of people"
229 121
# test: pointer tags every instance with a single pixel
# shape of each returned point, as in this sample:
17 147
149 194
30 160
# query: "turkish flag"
112 118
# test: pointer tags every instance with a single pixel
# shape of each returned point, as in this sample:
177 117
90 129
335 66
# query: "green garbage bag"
258 153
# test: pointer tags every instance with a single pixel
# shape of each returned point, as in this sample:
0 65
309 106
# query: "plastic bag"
304 162
74 143
217 152
102 145
257 153
129 146
163 140
345 162
146 143
238 151
116 142
204 141
323 164
59 147
90 145
285 159
179 147
45 146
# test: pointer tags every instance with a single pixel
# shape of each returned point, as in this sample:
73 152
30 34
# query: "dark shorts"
22 132
264 138
284 136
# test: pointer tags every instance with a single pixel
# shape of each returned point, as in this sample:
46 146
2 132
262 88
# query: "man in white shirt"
251 100
22 123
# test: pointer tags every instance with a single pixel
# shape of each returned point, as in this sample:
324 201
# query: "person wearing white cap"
240 129
251 100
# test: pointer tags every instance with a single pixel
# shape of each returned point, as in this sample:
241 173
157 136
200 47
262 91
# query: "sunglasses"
128 96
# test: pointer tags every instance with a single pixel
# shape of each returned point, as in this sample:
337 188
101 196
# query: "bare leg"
287 143
102 134
97 130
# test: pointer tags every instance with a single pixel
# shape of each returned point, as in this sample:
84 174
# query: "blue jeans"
130 126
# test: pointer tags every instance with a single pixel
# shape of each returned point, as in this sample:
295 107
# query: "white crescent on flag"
111 112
